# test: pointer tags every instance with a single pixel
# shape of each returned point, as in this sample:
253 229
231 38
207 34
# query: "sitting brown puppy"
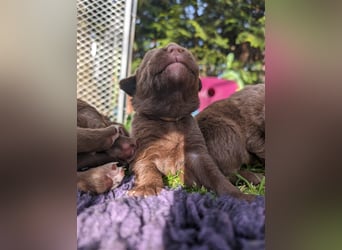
234 131
101 145
165 93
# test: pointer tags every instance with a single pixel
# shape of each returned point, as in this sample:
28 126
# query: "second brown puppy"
234 131
101 145
165 93
100 140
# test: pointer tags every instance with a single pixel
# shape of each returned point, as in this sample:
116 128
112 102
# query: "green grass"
173 181
247 187
128 122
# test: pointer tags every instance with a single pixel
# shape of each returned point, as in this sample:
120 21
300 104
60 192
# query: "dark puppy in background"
165 93
102 145
234 131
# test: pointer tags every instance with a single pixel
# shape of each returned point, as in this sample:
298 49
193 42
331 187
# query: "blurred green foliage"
226 36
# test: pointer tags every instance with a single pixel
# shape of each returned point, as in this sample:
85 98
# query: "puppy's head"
167 76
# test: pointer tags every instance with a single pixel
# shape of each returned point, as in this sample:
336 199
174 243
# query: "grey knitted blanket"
174 219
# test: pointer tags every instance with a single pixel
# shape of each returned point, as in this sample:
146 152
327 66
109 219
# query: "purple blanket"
174 219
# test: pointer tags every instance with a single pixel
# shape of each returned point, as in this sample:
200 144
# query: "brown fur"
101 144
165 93
101 179
234 131
100 140
89 117
96 139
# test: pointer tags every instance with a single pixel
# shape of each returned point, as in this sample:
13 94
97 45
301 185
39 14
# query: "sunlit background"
227 37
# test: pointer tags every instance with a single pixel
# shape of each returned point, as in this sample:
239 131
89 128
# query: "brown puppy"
100 146
165 93
100 143
96 139
234 131
99 140
89 117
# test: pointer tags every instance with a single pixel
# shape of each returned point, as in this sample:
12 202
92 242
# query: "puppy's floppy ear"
199 84
128 85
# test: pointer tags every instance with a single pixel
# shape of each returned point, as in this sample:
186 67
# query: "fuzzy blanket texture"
174 219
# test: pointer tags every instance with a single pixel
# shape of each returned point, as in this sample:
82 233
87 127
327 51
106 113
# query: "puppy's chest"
170 156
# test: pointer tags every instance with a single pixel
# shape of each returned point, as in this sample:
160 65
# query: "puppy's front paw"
145 190
100 179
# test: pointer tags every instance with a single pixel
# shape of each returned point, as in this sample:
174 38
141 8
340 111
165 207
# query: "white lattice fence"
105 30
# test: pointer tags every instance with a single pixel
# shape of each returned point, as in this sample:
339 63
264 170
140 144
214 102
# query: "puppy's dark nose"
174 48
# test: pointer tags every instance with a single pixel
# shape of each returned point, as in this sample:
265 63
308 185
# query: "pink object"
214 89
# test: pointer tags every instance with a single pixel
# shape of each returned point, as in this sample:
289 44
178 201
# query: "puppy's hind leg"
201 169
256 146
225 145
